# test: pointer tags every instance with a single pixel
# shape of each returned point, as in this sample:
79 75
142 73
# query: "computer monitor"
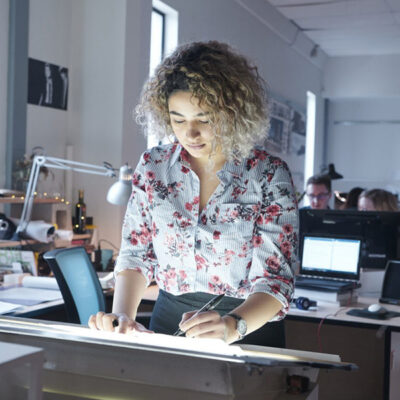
378 230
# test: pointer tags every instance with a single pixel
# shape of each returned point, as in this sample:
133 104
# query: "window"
164 39
310 136
157 47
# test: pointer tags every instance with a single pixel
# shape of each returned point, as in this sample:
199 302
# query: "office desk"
374 345
55 310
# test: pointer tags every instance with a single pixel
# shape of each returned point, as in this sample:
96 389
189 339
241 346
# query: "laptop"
329 264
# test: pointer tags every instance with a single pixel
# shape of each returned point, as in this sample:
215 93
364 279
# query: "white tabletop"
329 311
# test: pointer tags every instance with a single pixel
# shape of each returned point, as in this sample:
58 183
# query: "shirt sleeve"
275 239
136 251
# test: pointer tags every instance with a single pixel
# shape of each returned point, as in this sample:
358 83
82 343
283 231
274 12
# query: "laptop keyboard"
319 282
323 284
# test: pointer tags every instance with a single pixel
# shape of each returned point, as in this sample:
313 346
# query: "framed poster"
47 84
287 138
278 134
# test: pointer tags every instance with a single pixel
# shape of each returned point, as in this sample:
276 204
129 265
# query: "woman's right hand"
120 323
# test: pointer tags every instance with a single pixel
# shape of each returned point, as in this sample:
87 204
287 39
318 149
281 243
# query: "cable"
320 326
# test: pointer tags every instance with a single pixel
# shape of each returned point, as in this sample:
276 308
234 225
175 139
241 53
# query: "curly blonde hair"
224 82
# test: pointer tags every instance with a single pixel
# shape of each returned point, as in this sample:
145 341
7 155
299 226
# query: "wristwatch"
241 325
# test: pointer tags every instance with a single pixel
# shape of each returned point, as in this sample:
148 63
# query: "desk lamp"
331 173
118 193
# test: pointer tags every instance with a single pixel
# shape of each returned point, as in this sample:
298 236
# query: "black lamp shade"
332 173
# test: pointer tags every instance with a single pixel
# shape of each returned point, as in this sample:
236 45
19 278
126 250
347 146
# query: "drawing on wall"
279 126
47 84
287 138
297 134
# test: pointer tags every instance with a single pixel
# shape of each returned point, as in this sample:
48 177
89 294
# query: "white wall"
362 77
96 92
49 40
365 90
367 151
4 14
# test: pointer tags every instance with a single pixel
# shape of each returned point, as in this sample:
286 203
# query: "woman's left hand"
207 324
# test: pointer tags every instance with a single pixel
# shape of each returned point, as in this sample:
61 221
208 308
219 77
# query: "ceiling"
347 27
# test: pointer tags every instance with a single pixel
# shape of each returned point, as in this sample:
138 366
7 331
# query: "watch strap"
238 318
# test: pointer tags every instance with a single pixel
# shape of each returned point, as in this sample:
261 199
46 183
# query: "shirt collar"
230 170
179 154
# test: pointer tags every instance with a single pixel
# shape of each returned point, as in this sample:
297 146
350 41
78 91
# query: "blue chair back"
78 282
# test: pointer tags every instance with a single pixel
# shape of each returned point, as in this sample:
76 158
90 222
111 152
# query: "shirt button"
198 244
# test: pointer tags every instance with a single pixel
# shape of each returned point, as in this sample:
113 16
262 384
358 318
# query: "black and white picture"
279 128
287 137
297 140
47 84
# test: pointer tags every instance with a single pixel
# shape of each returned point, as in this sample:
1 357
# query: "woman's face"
190 124
365 204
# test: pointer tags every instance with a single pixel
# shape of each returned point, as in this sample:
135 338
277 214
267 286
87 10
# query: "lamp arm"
29 195
57 163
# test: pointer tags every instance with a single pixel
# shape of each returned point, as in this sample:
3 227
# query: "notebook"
329 263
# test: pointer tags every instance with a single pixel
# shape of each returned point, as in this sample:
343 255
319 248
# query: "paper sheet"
39 230
8 307
107 281
63 234
29 296
42 282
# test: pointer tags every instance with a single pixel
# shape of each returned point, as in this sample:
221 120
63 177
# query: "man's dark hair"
320 180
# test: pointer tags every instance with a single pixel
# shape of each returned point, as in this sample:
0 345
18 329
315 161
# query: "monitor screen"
391 283
330 257
378 231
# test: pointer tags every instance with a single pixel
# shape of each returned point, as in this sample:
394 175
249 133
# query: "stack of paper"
339 299
34 290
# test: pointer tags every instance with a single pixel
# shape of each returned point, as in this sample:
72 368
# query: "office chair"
78 282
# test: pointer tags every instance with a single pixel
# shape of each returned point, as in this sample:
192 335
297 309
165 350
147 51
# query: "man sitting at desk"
319 191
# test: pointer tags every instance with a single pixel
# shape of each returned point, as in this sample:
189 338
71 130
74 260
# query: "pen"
207 307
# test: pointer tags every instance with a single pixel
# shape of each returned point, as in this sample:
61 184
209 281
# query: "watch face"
241 327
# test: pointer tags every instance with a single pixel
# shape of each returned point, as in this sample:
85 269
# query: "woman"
351 202
377 200
210 213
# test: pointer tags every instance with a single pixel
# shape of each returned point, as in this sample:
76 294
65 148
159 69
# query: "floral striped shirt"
243 241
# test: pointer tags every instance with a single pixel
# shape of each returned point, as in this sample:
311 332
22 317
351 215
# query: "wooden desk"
371 344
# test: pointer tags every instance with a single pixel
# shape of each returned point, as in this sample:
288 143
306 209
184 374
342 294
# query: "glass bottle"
80 215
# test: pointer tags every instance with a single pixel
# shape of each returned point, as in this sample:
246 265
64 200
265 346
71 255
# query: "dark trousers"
168 310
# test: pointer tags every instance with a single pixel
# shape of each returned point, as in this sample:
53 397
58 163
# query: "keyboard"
328 285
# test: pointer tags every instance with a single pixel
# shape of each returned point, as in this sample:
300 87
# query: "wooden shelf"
16 243
58 242
9 200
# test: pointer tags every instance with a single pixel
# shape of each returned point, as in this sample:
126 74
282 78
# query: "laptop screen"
330 257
